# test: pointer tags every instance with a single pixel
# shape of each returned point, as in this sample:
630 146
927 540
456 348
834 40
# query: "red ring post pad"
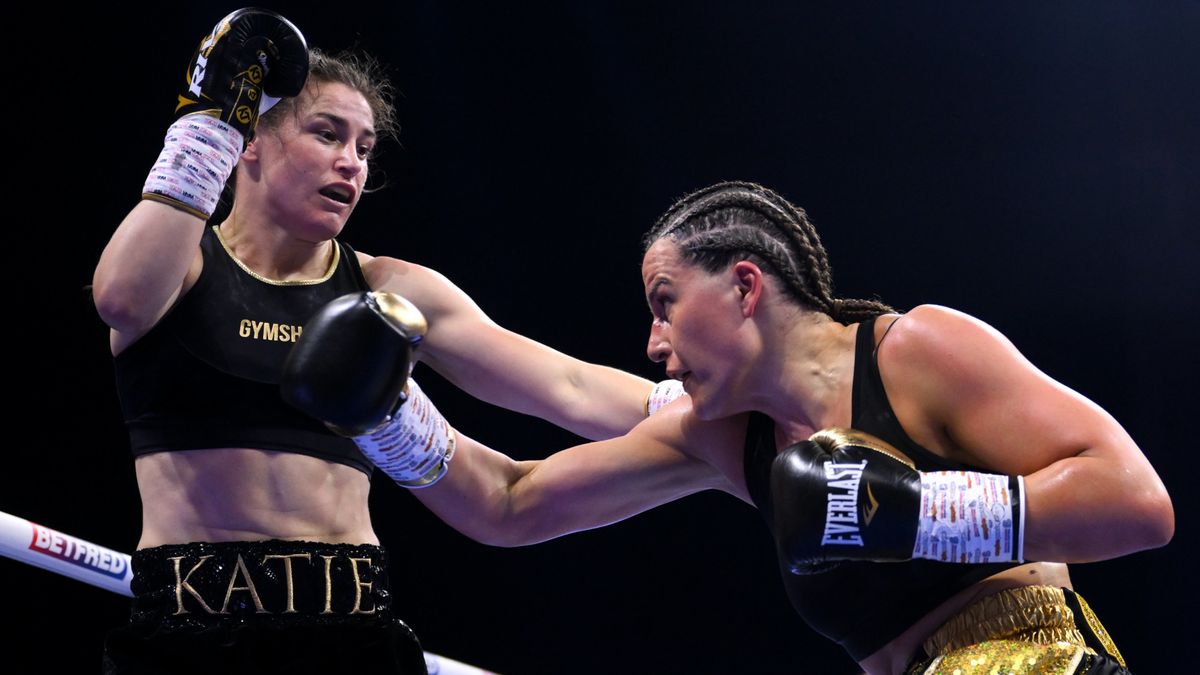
63 554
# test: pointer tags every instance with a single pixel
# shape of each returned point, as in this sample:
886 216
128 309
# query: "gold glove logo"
271 332
869 511
841 510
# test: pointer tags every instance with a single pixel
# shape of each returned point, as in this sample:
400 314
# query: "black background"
1035 166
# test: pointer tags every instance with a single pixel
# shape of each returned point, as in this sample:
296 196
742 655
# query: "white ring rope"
90 563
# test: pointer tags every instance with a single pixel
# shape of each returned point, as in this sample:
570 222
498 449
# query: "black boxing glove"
350 365
251 58
350 368
248 53
847 495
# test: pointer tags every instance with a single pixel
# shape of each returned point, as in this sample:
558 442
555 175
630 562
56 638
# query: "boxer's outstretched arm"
350 368
499 501
506 369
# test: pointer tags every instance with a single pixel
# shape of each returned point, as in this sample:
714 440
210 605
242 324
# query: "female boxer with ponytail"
257 553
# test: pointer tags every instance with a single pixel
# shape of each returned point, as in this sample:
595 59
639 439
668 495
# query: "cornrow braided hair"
735 220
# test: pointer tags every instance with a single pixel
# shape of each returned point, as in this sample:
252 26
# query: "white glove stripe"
1021 520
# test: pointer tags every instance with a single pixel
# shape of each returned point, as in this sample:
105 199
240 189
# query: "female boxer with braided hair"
257 553
923 481
729 219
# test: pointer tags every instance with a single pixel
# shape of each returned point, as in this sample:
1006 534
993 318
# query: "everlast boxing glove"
846 495
350 368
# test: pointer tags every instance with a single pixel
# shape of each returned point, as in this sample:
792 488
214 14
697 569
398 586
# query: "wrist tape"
198 156
663 393
971 517
415 445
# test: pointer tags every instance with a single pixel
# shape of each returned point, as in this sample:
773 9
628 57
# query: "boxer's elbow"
1147 508
500 514
504 538
505 532
1144 519
522 519
118 306
1157 517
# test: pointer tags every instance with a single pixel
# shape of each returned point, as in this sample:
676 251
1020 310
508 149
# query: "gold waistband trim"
1100 631
1010 657
1028 614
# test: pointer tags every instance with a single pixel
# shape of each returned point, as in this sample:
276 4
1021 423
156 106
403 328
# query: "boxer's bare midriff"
239 494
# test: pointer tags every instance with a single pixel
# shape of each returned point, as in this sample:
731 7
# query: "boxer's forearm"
1084 509
144 264
475 497
503 502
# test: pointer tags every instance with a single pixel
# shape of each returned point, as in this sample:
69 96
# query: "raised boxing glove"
248 61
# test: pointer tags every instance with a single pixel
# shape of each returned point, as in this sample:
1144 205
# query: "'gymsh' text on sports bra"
207 374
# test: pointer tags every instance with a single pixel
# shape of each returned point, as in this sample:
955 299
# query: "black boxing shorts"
262 607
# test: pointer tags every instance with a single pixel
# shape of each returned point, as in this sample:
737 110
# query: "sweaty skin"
737 345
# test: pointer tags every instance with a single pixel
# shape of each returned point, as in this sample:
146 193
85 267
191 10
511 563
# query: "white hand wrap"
198 156
663 393
970 517
414 447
